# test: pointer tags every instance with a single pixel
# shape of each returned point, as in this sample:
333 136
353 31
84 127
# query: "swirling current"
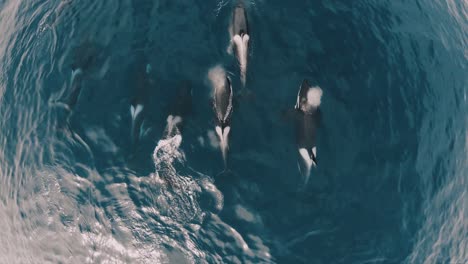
391 181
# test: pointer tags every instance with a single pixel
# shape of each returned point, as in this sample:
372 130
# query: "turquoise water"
391 185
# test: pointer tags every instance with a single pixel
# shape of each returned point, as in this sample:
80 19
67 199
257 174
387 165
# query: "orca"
240 37
83 57
222 105
139 100
307 119
75 91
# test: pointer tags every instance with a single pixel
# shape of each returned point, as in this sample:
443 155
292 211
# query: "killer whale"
307 119
222 105
139 100
240 36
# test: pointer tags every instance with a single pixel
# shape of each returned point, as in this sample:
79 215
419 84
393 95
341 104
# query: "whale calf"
307 118
222 104
239 30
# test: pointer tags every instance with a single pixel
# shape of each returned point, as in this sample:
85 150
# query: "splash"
314 96
217 77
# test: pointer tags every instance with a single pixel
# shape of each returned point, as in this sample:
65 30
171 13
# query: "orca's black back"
239 21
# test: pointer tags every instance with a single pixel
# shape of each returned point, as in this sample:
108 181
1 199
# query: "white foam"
201 141
217 77
314 96
212 139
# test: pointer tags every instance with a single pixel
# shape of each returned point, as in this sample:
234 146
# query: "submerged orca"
307 118
239 30
222 104
180 108
139 101
84 56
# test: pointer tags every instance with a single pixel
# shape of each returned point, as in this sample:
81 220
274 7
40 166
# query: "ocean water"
391 184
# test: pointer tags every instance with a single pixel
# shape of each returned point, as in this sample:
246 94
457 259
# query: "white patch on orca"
219 132
314 151
226 134
143 131
242 47
223 138
172 122
307 161
75 73
135 111
314 96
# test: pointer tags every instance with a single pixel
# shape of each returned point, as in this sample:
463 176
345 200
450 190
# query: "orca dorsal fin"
302 93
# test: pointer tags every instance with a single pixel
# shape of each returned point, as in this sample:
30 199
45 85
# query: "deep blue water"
391 185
